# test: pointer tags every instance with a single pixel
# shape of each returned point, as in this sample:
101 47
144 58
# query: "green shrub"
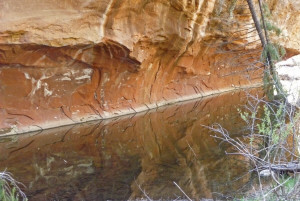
9 189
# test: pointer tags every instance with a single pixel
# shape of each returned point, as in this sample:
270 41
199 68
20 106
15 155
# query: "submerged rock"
266 173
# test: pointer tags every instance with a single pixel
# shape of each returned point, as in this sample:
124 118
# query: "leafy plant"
277 52
232 6
9 189
269 143
269 25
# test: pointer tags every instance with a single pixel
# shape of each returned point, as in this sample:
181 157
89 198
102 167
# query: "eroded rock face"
63 62
286 15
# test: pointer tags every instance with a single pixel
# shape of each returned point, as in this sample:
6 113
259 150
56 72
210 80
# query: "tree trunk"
288 167
256 22
272 75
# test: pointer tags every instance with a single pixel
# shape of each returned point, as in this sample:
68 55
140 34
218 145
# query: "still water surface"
124 158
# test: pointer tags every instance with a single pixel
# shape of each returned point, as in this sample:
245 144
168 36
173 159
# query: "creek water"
133 156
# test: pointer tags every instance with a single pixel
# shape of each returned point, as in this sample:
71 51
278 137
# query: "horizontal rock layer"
63 62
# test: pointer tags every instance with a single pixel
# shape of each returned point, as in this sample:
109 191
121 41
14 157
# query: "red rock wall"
63 62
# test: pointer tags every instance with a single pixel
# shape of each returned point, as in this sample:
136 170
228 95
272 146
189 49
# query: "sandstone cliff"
68 61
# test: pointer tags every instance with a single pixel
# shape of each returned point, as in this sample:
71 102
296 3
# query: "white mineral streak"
37 62
37 85
83 77
27 76
47 92
195 15
88 71
103 20
68 74
77 53
65 79
87 74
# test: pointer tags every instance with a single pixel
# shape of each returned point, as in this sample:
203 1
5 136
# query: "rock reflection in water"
115 159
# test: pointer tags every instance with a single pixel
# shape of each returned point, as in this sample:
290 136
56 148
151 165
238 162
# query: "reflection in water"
115 159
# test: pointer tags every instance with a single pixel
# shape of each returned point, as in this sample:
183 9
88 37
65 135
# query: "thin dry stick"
191 149
182 191
144 192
